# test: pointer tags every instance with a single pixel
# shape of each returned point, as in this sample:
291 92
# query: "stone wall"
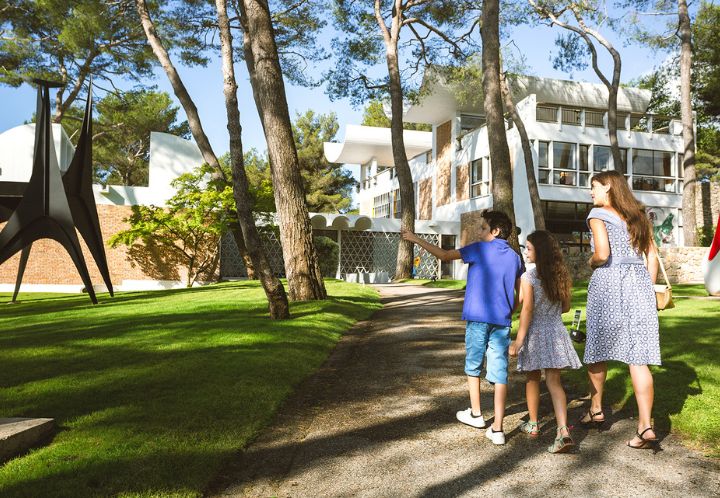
683 265
707 204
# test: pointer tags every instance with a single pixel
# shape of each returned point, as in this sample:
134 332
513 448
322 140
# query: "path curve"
378 420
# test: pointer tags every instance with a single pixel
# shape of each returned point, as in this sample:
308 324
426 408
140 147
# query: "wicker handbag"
663 292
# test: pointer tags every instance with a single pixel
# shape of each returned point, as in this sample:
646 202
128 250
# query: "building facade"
566 122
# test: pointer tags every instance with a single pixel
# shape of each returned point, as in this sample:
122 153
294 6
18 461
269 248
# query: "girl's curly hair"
550 266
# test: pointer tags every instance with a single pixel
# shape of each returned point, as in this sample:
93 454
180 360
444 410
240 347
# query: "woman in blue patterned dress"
622 322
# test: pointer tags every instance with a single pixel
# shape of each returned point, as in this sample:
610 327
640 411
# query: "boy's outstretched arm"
438 252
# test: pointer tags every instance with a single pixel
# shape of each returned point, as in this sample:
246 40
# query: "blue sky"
205 86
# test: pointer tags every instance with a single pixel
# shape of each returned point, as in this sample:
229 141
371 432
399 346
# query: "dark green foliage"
328 253
360 48
186 232
69 40
327 186
121 133
374 115
573 53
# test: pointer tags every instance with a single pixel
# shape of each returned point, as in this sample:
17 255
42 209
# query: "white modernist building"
566 122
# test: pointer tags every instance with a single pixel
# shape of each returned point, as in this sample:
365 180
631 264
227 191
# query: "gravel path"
379 420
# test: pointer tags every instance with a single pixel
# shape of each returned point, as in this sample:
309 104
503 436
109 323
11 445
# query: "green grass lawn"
152 391
687 385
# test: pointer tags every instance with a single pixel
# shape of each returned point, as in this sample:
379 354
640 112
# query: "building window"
480 177
381 206
564 165
428 157
397 205
469 122
603 160
571 116
546 114
566 220
584 166
544 162
595 119
653 170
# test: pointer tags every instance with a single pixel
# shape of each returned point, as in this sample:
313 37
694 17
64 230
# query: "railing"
595 119
571 116
547 114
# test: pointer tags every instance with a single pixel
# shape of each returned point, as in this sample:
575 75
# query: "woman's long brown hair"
550 266
633 212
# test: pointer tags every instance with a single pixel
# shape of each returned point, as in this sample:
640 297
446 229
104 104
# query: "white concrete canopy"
365 143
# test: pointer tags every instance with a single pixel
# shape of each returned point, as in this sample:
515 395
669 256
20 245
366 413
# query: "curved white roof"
365 143
441 101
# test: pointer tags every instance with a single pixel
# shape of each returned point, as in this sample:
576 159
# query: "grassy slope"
153 390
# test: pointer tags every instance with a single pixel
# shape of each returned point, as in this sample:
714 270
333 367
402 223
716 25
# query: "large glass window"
381 206
653 170
566 220
397 205
546 113
544 162
564 164
584 165
480 177
603 160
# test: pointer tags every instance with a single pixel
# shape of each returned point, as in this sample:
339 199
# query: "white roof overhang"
441 102
362 144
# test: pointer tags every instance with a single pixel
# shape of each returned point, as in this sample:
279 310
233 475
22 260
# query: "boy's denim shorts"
486 340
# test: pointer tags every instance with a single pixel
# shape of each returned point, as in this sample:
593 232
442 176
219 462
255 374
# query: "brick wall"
49 263
443 173
462 182
425 199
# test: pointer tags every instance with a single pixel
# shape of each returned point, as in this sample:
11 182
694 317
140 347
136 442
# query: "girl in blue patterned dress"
543 342
622 321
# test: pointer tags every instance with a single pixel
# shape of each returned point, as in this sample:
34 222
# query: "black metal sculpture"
51 206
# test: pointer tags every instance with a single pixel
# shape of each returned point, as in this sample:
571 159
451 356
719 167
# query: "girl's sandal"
562 444
592 420
530 428
645 443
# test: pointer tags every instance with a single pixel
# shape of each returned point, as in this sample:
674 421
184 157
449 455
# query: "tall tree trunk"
689 179
274 289
178 86
502 184
404 264
538 216
190 109
305 281
613 89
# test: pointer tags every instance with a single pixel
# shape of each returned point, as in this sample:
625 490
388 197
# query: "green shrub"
328 252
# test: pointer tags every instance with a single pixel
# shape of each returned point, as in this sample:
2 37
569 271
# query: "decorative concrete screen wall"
360 252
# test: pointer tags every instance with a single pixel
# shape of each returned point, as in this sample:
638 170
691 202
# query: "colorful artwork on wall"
663 226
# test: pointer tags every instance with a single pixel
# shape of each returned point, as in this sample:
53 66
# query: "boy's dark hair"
499 220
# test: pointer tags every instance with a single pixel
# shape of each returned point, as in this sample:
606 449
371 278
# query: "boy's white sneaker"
497 438
467 417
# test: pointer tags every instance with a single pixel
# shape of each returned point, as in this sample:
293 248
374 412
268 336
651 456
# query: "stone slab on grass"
18 435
